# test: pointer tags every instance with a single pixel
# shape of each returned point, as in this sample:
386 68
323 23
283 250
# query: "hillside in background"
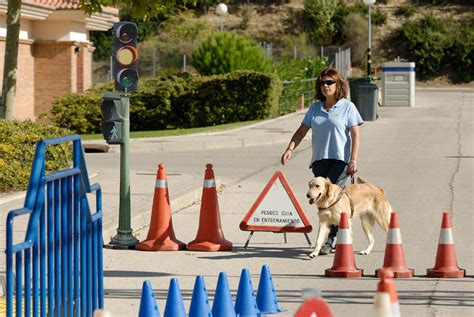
281 29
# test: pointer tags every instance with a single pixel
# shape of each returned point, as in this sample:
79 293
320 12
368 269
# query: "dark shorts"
330 168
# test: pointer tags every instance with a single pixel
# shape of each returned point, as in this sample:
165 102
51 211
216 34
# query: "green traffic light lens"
127 77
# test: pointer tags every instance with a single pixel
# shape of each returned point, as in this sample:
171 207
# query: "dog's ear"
328 183
331 190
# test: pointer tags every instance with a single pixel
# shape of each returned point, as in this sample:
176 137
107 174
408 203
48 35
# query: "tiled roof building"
55 54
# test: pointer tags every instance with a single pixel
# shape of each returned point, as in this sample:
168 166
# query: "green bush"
460 54
78 112
304 68
227 52
239 96
378 17
151 105
318 15
355 31
425 42
439 46
406 10
17 148
180 101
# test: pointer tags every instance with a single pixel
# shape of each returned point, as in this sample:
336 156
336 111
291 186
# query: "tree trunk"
7 106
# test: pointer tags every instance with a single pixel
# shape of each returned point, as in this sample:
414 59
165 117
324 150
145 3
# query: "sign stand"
284 234
276 210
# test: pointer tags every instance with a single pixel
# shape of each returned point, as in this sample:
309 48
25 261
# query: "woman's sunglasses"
327 82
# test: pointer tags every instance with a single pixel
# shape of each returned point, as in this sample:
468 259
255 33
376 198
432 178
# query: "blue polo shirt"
331 129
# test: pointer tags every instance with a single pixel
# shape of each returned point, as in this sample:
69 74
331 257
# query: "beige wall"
54 68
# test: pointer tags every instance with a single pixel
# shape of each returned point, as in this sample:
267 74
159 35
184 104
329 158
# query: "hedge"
17 148
180 101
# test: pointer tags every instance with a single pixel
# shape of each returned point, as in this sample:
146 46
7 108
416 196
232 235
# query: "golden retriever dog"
362 199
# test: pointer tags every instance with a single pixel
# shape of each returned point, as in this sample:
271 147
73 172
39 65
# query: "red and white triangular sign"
276 209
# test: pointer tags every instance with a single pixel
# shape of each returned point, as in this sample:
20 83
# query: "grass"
175 132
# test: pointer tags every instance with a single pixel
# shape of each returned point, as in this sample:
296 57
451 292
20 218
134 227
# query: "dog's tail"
360 180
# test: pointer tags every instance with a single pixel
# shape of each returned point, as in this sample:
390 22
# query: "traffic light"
125 56
113 111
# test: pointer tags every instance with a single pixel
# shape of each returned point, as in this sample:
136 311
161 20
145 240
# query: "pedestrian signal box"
113 110
125 56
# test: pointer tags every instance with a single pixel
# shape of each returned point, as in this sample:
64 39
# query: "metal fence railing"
56 270
292 89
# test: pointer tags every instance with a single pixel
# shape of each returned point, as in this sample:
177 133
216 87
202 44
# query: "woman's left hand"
352 168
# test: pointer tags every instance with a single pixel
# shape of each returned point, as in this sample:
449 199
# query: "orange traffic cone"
161 234
446 264
209 236
394 252
386 299
314 306
344 263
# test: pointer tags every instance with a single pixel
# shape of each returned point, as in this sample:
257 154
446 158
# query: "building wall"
55 65
54 59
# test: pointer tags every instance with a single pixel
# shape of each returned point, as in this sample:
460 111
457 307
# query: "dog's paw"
364 252
313 255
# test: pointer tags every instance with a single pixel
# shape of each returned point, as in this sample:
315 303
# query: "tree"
7 109
227 52
318 20
139 8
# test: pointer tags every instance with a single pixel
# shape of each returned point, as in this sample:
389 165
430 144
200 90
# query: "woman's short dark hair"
341 84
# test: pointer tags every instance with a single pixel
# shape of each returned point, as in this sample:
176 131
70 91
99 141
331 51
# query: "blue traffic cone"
148 307
174 303
200 302
245 303
266 297
223 305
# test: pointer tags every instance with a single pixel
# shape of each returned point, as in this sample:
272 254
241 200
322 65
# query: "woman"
334 122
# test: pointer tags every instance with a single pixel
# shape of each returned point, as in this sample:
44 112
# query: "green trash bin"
364 96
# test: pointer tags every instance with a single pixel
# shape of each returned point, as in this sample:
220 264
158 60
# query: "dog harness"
341 193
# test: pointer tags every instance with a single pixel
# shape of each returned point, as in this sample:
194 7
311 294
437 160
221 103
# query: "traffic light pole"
124 237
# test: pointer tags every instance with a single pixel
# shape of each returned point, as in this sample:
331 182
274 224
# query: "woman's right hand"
286 156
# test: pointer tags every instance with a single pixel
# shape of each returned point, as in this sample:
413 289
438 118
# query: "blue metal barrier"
58 267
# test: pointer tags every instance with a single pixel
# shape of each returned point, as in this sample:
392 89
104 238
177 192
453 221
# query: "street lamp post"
369 3
221 10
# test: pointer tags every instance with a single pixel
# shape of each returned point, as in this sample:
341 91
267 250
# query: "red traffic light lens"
126 33
126 55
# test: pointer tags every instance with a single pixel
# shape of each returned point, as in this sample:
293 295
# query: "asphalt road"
421 156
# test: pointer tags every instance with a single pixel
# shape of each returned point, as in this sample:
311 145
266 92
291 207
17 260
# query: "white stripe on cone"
382 305
394 236
446 236
209 183
396 309
161 183
344 236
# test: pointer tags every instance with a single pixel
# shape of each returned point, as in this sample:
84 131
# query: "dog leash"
341 193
